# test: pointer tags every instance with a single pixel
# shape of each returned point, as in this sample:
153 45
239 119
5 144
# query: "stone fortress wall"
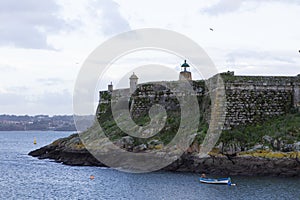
252 99
249 99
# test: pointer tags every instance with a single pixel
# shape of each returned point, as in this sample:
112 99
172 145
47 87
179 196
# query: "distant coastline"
38 122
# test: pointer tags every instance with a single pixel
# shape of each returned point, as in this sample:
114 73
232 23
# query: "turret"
110 87
184 74
133 82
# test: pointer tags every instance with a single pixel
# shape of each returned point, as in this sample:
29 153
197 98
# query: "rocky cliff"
258 163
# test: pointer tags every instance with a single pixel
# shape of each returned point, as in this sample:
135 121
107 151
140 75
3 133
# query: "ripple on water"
25 177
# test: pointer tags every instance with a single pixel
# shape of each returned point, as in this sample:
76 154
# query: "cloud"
228 6
13 99
27 23
259 56
110 18
53 99
7 68
223 6
51 81
248 62
59 102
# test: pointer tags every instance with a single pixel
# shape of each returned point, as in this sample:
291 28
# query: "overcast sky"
44 43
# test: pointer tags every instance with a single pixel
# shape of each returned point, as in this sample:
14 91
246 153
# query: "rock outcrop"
70 151
67 152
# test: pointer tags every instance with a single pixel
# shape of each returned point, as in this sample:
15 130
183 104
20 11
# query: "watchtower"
184 74
133 82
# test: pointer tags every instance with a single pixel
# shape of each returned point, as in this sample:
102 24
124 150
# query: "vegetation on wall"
283 129
263 117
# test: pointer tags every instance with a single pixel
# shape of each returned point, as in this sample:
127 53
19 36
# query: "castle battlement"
249 99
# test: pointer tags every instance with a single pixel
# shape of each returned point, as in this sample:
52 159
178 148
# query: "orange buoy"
92 177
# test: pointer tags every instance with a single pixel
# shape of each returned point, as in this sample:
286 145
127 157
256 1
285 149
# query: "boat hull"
225 181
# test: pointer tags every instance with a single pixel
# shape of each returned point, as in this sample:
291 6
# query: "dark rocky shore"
68 152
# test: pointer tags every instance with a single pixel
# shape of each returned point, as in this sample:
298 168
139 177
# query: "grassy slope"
284 128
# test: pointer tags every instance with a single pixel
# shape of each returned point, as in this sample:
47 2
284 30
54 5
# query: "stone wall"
296 88
252 99
249 99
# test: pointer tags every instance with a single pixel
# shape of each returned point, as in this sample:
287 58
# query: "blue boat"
226 181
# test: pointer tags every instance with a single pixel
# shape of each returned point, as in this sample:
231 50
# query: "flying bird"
211 29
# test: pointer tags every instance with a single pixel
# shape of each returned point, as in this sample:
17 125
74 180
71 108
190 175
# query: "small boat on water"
226 181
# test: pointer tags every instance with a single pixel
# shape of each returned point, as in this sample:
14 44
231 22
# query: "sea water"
25 177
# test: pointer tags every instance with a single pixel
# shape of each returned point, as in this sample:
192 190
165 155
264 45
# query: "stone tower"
110 87
184 74
133 82
296 92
